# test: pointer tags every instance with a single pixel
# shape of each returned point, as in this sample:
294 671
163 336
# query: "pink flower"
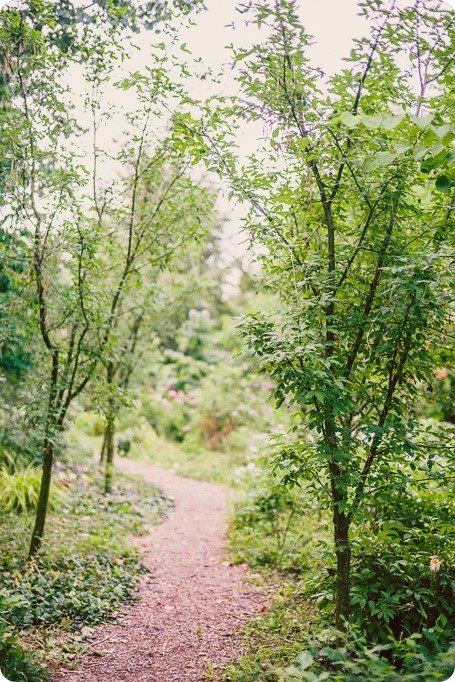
442 373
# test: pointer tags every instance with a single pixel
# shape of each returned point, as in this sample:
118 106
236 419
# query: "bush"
80 589
394 593
19 490
21 434
86 570
401 610
168 414
274 526
228 398
90 423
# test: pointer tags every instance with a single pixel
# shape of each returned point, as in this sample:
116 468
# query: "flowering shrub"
402 572
168 412
230 398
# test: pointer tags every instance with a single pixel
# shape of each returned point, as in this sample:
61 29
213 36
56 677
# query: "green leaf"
380 159
443 183
305 659
373 122
349 119
402 148
421 121
391 122
419 152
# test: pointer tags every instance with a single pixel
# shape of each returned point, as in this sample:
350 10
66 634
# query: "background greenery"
122 333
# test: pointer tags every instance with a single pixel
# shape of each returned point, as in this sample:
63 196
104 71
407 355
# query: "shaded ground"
190 605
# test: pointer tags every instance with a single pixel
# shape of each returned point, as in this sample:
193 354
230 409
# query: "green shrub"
87 568
229 398
167 414
394 593
19 490
81 589
394 590
21 435
90 423
274 526
401 610
123 446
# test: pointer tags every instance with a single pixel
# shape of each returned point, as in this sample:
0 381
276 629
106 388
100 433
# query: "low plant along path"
192 603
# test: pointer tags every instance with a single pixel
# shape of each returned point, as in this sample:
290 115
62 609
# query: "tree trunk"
341 525
343 554
43 501
110 431
104 446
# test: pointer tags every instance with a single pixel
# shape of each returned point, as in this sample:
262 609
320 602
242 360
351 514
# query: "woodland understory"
310 366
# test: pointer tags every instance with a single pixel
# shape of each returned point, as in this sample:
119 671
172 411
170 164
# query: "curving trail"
190 604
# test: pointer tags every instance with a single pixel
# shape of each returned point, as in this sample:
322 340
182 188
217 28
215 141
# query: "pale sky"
333 23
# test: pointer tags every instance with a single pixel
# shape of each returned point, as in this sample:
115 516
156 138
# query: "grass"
275 638
191 460
198 463
88 568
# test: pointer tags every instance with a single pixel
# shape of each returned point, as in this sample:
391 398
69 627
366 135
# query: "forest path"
190 604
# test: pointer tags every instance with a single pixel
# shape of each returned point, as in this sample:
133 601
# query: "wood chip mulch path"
192 604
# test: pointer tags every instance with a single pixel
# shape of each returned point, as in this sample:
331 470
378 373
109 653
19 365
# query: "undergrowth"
86 571
136 439
402 613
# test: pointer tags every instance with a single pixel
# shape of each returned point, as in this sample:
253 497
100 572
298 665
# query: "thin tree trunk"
341 525
343 554
43 501
110 431
104 446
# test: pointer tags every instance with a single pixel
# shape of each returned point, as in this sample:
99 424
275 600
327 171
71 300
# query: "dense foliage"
321 387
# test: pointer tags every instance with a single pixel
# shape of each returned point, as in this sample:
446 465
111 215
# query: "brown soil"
192 604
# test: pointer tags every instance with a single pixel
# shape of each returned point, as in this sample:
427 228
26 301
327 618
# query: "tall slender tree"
353 198
79 263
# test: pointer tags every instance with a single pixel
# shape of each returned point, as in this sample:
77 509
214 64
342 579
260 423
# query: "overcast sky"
333 23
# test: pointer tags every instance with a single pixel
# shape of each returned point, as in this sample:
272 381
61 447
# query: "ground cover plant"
86 573
311 370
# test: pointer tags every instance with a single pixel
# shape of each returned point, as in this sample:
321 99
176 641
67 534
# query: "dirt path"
190 604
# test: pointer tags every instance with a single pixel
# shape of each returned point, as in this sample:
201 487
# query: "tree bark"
110 431
343 553
43 501
103 447
341 525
